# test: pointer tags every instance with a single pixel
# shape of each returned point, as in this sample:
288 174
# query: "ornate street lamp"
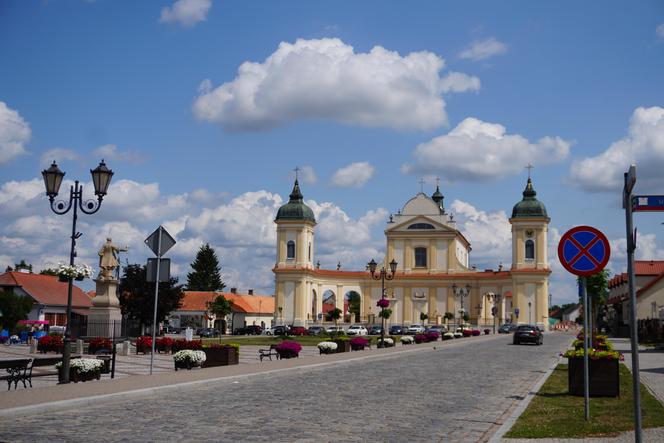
101 178
461 293
383 303
495 298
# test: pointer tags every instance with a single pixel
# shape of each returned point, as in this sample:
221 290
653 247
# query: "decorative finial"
529 167
338 266
421 182
297 170
437 182
318 264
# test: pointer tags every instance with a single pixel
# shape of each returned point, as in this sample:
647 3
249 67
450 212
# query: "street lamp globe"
52 180
101 178
393 266
372 266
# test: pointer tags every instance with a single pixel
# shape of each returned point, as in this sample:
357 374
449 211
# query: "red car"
298 330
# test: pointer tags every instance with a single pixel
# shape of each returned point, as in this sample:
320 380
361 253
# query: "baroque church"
433 276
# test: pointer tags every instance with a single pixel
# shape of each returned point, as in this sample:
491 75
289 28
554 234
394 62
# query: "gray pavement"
453 391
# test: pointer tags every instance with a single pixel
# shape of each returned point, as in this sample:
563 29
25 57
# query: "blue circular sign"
584 251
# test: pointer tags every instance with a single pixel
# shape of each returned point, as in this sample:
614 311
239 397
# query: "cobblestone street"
451 393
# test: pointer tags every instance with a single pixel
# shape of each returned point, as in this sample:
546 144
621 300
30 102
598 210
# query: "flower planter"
221 356
185 365
327 351
603 376
342 345
63 278
75 376
354 347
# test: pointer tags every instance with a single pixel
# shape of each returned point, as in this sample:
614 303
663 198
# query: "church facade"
433 276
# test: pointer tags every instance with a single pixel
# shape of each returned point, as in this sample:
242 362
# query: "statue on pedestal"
108 260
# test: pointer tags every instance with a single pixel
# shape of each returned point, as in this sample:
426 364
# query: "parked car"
298 330
398 330
208 332
528 334
248 330
315 330
464 326
334 330
376 330
439 329
415 329
507 328
277 330
357 330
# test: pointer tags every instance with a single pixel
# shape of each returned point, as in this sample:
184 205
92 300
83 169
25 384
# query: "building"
649 285
49 295
248 309
433 274
571 313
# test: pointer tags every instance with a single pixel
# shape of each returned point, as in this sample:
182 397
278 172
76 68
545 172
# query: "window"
309 251
530 250
421 226
420 257
290 249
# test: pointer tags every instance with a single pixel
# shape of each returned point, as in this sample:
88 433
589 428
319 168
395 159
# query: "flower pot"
63 278
220 357
603 374
355 347
342 345
75 376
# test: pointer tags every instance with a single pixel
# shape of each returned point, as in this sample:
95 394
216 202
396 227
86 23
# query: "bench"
42 363
262 353
16 371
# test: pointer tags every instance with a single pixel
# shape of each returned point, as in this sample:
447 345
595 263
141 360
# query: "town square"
344 221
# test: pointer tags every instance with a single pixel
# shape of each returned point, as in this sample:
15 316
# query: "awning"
33 322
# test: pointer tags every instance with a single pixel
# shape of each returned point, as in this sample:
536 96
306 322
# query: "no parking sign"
584 251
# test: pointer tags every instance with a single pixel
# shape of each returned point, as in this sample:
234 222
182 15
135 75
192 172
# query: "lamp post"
461 293
384 275
101 179
495 298
530 313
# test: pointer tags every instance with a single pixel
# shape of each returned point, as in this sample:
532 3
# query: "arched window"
420 257
290 249
530 250
309 251
421 226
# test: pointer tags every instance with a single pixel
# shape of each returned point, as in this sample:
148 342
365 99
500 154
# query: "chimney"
233 290
251 292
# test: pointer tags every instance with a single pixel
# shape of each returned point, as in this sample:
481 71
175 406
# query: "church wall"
441 255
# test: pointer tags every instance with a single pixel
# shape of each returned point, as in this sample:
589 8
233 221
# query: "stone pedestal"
105 318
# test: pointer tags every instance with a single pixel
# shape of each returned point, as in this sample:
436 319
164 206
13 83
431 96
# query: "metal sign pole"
630 180
586 378
156 297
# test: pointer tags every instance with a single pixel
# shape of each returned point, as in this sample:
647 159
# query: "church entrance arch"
352 304
314 305
329 303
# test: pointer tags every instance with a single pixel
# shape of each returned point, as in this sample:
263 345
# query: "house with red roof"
49 296
248 309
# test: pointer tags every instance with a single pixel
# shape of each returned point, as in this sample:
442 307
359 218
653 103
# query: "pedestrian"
31 334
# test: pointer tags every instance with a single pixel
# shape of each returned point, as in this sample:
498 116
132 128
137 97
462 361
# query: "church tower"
295 257
530 266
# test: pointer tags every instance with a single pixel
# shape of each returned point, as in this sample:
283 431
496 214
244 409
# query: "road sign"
648 203
584 251
167 241
516 312
164 270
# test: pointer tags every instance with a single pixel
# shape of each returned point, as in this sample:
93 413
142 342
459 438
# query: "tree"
14 308
137 295
448 316
48 271
205 275
423 317
221 307
597 288
354 304
335 314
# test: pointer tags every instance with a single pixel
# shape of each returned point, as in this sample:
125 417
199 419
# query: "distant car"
507 328
56 330
277 330
439 329
397 330
464 326
315 330
415 329
376 330
528 334
298 330
357 330
248 330
207 332
334 330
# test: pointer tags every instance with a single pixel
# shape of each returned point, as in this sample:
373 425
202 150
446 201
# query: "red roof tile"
251 304
46 289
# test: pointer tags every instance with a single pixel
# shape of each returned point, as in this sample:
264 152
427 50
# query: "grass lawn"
553 413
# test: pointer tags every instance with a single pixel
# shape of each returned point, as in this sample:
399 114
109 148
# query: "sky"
203 109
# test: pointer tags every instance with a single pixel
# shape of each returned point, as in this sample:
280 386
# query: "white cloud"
477 150
489 233
111 152
643 146
660 31
14 134
483 49
58 155
186 12
354 175
308 175
327 79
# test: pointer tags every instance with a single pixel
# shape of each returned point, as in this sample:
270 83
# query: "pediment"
420 223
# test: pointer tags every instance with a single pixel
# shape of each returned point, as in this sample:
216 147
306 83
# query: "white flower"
449 334
187 355
327 346
83 365
458 334
388 341
73 271
407 339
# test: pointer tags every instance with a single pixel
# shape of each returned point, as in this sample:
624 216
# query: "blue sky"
366 97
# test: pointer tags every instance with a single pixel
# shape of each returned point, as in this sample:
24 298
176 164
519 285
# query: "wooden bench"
262 353
16 371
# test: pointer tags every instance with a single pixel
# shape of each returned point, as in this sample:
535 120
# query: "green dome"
295 209
529 206
438 198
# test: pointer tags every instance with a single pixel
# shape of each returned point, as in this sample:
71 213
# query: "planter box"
343 345
220 357
603 376
75 376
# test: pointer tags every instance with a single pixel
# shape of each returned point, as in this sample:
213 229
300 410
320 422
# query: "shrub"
144 344
432 336
99 344
458 334
223 346
164 344
182 344
327 347
421 338
407 340
383 303
50 343
288 349
387 343
189 357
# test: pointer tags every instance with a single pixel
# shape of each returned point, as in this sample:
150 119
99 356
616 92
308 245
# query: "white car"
334 330
415 329
357 330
